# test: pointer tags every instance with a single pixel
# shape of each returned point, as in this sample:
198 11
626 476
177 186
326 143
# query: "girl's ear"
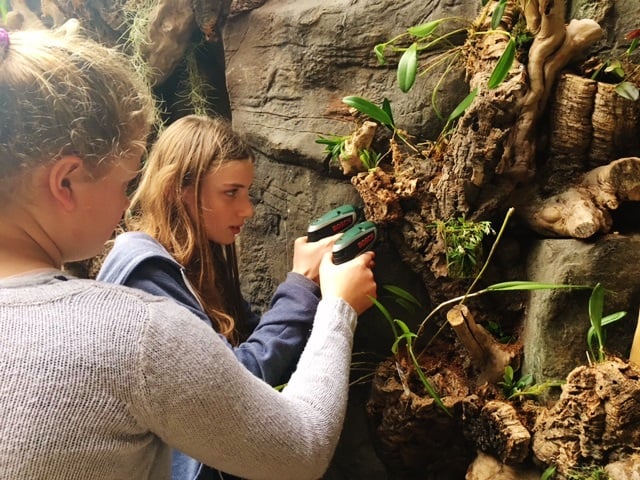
63 177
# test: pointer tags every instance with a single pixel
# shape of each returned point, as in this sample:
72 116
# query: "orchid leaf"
370 110
504 64
408 68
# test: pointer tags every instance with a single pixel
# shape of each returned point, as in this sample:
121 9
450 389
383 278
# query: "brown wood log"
583 209
595 420
497 430
488 356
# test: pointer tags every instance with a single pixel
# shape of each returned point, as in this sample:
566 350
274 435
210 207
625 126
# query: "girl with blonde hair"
191 203
103 381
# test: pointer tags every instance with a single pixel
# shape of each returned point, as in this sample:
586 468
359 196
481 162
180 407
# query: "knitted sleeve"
273 347
196 396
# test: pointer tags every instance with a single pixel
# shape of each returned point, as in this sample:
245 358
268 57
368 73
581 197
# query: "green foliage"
137 19
524 386
588 473
498 287
427 36
408 68
459 110
369 158
401 332
548 473
463 244
505 62
510 386
596 335
198 90
498 12
334 145
628 90
614 68
379 114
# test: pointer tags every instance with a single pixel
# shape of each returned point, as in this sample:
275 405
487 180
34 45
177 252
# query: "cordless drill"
356 239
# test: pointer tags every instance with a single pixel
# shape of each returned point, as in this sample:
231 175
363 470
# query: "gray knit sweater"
97 381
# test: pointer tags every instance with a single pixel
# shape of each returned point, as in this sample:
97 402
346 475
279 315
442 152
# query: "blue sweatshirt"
270 352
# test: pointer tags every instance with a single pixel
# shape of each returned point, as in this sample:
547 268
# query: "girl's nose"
247 208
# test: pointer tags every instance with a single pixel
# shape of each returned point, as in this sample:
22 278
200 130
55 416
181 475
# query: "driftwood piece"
487 355
497 430
171 24
360 140
589 126
582 210
554 46
595 420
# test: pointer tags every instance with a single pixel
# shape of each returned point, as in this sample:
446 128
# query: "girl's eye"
231 193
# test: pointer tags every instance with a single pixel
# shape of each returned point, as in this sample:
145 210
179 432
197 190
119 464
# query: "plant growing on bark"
344 149
588 473
548 473
463 244
615 68
198 90
425 37
401 332
524 386
596 334
334 145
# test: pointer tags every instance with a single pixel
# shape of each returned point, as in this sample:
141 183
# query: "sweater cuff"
342 310
304 282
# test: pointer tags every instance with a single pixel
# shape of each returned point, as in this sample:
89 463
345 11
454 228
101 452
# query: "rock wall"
289 64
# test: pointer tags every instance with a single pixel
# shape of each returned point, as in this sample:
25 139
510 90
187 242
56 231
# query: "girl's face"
224 193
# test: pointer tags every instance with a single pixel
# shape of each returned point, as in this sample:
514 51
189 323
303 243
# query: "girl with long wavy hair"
190 204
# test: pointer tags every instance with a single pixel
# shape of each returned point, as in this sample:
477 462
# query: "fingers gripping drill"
358 237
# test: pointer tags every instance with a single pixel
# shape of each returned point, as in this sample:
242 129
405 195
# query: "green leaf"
379 51
596 306
615 67
408 306
508 375
462 106
498 12
402 293
526 285
424 29
408 68
634 45
504 64
627 90
405 329
386 106
614 317
370 110
388 317
548 473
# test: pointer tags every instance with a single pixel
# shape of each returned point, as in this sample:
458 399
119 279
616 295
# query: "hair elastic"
4 43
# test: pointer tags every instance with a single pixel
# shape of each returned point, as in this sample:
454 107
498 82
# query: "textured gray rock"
557 321
289 64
